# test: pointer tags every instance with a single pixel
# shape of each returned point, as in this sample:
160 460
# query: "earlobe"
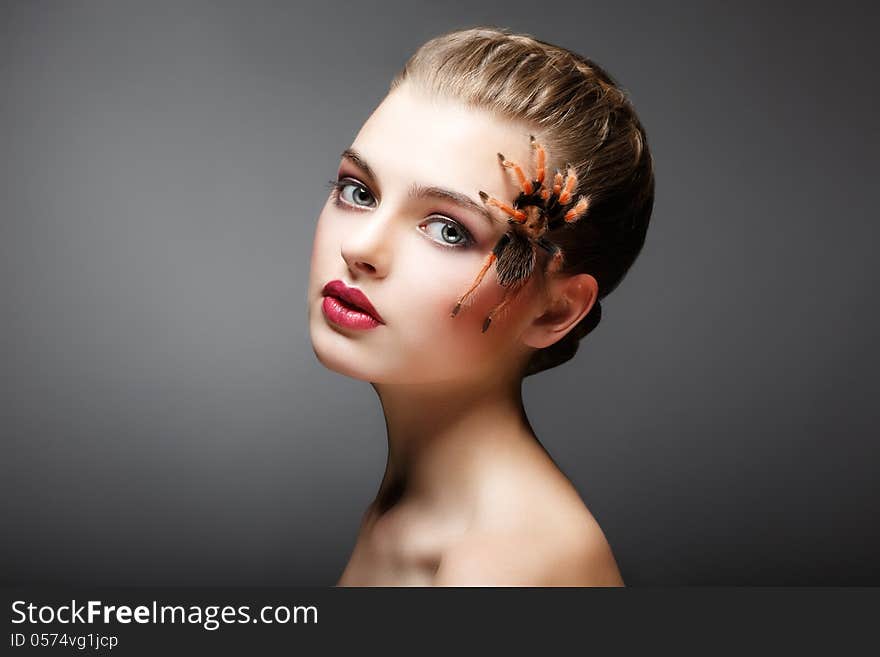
570 299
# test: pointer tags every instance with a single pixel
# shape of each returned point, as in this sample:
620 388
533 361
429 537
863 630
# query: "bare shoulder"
495 559
533 530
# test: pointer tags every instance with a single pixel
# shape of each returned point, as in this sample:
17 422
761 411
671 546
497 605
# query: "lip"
357 306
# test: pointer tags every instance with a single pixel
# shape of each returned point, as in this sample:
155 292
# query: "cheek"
436 280
435 284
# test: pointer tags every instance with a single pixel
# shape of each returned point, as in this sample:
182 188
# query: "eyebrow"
421 191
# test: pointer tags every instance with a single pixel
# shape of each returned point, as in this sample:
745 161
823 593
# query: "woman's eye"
448 233
354 193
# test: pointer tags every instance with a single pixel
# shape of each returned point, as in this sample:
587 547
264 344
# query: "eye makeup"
337 187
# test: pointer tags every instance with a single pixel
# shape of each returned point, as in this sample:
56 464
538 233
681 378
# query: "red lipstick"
349 307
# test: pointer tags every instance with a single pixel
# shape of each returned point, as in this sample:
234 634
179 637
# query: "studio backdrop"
165 420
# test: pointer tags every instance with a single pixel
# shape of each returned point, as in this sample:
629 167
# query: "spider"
536 210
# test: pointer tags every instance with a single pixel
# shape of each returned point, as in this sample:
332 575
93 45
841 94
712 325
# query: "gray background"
165 421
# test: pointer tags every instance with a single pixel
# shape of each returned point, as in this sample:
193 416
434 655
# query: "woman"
469 496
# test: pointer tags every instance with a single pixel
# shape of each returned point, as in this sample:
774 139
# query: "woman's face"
413 255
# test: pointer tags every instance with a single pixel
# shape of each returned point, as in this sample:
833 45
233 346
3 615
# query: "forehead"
414 137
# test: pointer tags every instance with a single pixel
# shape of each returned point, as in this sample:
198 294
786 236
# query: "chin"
335 364
360 365
344 355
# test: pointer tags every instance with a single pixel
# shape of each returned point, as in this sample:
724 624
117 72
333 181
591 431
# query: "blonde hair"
583 118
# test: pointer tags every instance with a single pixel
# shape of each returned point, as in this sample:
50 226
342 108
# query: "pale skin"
469 496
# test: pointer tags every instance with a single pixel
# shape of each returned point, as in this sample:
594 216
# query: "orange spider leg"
557 183
579 208
570 182
539 150
463 298
519 215
509 295
523 181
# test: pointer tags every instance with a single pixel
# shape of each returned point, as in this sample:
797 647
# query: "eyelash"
337 186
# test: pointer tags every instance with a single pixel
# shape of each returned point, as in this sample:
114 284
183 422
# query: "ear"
569 299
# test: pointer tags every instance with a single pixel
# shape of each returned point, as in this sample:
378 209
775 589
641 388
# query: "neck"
441 435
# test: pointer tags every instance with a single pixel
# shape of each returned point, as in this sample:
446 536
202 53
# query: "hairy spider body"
536 210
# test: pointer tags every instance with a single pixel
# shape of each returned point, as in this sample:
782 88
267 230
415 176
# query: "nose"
367 249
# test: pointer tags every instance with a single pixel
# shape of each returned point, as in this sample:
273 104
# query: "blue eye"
358 194
452 234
